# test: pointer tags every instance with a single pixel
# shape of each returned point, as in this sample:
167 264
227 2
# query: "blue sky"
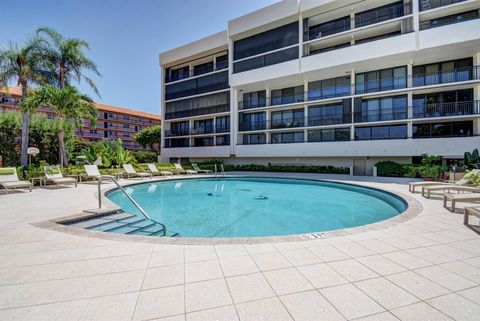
125 36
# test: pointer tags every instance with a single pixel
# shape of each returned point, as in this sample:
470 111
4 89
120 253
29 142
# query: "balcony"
197 131
196 72
447 109
297 122
432 4
361 19
441 77
198 111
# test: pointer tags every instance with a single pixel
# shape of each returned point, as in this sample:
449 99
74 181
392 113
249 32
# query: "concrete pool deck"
424 268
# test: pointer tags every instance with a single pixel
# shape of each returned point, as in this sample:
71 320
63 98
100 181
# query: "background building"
343 83
112 123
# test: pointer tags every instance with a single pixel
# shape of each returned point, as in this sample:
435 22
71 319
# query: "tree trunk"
61 148
25 128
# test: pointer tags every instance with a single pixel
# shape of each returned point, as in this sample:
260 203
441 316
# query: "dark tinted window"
447 129
266 41
208 104
328 88
329 135
196 86
266 60
381 132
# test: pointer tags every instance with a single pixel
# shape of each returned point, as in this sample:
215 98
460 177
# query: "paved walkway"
427 268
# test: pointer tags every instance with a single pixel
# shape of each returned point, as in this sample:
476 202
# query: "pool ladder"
222 171
107 177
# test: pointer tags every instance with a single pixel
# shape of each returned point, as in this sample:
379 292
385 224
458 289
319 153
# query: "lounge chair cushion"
15 184
7 171
63 180
53 171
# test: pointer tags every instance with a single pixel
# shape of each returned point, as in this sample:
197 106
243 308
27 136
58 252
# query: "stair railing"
104 177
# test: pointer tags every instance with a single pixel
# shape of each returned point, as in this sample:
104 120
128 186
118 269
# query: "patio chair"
199 170
457 198
9 179
467 211
179 169
461 182
154 170
93 172
131 172
54 175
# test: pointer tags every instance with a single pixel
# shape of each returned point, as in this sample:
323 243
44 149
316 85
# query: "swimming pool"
248 207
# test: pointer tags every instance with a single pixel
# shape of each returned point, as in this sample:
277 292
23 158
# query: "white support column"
233 120
416 23
268 96
410 75
162 107
476 95
410 114
352 26
300 37
305 90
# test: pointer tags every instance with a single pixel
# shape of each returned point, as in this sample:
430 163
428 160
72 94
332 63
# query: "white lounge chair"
131 172
93 172
461 182
54 174
457 198
154 170
9 179
179 169
199 170
467 211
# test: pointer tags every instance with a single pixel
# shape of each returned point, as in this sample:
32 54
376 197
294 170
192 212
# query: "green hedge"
393 169
278 168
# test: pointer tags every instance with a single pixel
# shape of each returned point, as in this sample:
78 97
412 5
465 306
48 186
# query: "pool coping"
57 224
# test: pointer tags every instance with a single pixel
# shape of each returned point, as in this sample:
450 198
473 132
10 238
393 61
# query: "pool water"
248 207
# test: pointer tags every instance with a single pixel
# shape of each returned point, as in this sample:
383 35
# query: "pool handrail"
102 177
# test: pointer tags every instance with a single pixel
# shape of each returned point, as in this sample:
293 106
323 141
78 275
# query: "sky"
125 36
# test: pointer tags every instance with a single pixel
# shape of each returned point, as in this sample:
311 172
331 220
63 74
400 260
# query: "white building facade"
328 82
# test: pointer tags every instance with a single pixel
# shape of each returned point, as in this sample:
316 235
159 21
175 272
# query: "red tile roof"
16 91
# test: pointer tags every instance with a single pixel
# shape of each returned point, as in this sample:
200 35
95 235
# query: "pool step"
123 223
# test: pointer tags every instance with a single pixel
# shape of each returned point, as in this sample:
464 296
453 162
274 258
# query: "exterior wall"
406 44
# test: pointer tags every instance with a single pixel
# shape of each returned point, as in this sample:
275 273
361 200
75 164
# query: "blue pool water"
246 207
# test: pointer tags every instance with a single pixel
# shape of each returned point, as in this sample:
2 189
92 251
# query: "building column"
416 22
233 120
352 26
410 74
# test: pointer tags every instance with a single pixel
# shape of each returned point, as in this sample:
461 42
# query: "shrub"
389 168
145 156
278 168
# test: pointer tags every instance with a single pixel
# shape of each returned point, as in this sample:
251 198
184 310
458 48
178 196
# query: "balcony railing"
198 111
432 4
441 77
447 109
196 72
445 21
384 114
382 14
327 29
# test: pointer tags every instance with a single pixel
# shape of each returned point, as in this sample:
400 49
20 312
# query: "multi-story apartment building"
112 122
328 82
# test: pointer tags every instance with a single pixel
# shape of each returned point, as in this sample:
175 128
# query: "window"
105 115
440 104
203 141
177 74
136 128
266 60
208 104
253 121
126 126
179 129
223 140
328 88
329 135
177 142
288 138
252 139
254 99
203 68
381 132
288 118
105 134
447 129
287 95
222 124
283 36
331 114
221 62
204 126
443 72
381 109
380 80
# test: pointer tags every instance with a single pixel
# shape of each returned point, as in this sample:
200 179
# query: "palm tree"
69 105
24 65
68 60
